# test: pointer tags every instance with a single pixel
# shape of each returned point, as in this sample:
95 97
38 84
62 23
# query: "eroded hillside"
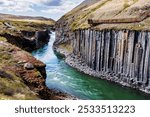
108 10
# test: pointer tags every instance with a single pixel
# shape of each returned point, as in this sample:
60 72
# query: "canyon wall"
29 40
123 53
122 56
110 39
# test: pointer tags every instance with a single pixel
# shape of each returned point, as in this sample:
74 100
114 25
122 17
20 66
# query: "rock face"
41 38
118 52
124 54
28 41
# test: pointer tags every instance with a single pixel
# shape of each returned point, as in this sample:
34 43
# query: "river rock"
147 88
28 66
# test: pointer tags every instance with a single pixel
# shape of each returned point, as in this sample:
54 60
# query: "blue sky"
46 8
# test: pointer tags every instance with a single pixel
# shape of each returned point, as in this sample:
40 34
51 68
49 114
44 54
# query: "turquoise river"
62 77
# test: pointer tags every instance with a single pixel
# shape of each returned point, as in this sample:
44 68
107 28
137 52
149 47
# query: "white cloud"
23 5
38 7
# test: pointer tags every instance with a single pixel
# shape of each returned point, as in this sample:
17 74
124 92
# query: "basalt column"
124 54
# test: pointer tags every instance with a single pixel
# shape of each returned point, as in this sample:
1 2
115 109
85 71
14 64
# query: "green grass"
37 74
135 1
84 16
3 39
24 25
14 89
126 4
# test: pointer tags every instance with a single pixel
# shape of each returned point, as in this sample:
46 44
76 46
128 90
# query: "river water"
62 77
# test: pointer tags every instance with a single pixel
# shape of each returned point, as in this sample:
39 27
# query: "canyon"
107 41
22 76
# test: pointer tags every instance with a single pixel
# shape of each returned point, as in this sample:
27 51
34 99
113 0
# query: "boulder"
28 66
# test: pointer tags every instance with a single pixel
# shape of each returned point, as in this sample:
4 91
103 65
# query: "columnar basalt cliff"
111 49
124 54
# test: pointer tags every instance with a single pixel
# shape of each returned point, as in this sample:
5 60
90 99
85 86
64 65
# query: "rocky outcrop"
28 41
23 77
140 18
41 38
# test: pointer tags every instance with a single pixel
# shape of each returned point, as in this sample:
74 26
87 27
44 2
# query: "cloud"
52 2
65 6
27 5
1 3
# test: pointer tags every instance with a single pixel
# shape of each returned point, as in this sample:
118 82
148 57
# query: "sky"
47 8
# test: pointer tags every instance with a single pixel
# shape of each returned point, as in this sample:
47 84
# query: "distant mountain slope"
108 10
9 16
